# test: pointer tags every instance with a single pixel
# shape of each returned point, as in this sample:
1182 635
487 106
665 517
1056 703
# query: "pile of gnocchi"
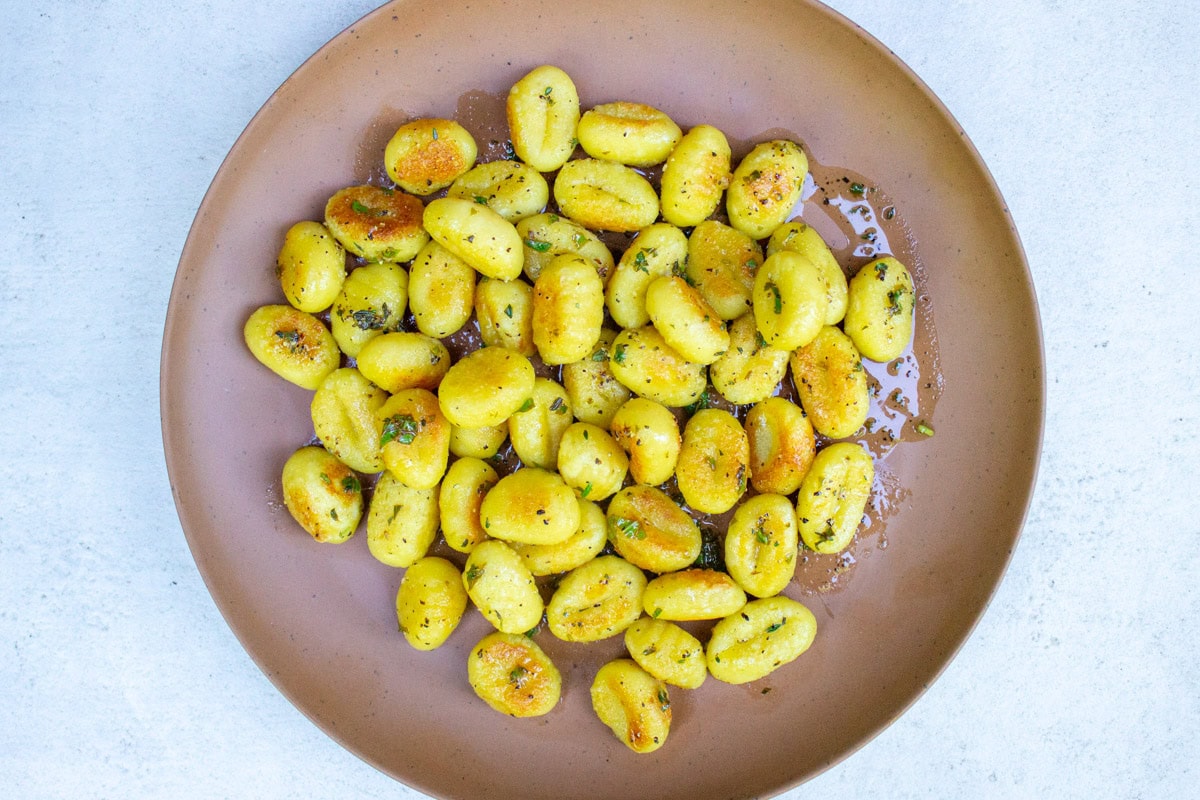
572 452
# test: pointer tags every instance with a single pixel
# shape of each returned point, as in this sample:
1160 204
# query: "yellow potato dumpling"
633 704
502 588
693 594
430 602
403 360
511 189
543 112
643 361
513 675
377 224
782 445
581 547
628 133
800 238
531 506
536 430
486 387
761 544
714 462
880 309
311 267
765 187
322 494
568 310
371 303
763 636
833 497
441 291
832 383
659 250
478 442
401 523
695 176
477 235
751 369
650 531
789 300
293 344
597 600
426 155
591 461
685 320
343 416
459 500
414 437
547 236
605 196
504 310
721 265
667 652
594 393
649 433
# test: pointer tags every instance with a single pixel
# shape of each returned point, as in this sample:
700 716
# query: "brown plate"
319 620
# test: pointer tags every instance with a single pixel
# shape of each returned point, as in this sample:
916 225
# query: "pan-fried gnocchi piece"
403 360
568 310
477 235
459 500
685 320
401 522
343 416
832 383
714 462
782 445
426 155
511 189
594 393
721 264
441 291
376 224
372 302
597 600
695 176
605 195
311 267
789 300
643 361
591 461
800 238
547 236
543 112
322 494
478 442
513 675
833 497
650 531
765 187
430 602
531 506
504 310
535 431
659 250
751 369
579 548
761 544
485 387
502 588
628 133
667 652
649 433
879 309
414 437
763 636
693 594
633 704
293 344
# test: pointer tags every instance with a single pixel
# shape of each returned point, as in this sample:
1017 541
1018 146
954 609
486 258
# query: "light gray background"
118 678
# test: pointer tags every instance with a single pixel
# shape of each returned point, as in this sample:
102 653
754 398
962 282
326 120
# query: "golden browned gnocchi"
513 675
343 416
832 383
543 113
460 497
833 497
648 529
649 433
536 429
375 223
482 442
531 506
714 461
579 548
782 445
485 387
765 187
761 544
414 438
695 176
596 600
634 705
686 321
401 522
426 155
322 494
667 652
502 588
800 238
511 189
293 344
591 461
594 393
628 133
568 310
721 264
789 300
441 291
750 370
430 602
547 236
879 309
693 594
477 235
763 636
504 310
372 302
605 195
403 360
659 250
311 267
642 360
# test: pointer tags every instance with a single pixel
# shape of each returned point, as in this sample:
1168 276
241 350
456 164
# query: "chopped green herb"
858 188
290 338
600 355
401 427
881 270
619 354
664 702
761 535
481 200
776 626
528 404
773 289
640 263
333 514
631 528
473 574
517 676
359 208
508 311
559 406
586 490
657 613
894 306
368 319
701 403
924 429
539 246
325 479
435 134
351 484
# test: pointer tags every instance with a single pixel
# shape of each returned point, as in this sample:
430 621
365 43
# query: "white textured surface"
118 678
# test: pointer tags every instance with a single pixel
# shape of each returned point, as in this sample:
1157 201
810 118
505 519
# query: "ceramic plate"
319 619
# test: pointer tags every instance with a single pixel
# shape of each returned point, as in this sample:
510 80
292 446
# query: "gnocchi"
513 675
430 602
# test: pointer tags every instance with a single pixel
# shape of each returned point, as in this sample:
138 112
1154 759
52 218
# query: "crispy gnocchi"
634 704
513 675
